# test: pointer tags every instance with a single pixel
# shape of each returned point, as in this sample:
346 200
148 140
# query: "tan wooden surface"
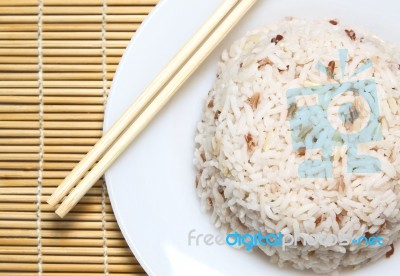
57 61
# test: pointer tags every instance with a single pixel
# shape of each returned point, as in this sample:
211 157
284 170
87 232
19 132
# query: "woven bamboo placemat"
57 60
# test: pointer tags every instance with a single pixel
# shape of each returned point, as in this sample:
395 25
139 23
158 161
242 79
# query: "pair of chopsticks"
148 104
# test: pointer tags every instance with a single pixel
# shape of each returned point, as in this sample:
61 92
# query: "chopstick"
155 105
137 107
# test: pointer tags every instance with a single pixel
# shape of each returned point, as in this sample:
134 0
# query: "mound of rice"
247 168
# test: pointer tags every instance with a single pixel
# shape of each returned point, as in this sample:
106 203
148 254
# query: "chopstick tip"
60 213
51 201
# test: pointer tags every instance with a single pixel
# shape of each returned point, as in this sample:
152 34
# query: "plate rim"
107 123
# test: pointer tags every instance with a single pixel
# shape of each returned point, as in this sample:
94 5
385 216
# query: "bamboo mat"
57 61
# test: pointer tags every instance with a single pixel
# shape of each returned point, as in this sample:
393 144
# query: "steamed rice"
247 168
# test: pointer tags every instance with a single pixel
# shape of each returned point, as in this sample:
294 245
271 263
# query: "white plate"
152 185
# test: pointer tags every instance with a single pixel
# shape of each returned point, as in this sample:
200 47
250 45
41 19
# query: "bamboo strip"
49 141
97 274
122 27
55 174
73 251
82 18
18 76
72 125
18 43
14 84
18 99
18 117
18 149
72 35
63 157
81 44
63 35
76 35
61 44
119 35
18 242
19 2
19 182
32 198
18 174
19 165
76 67
70 141
18 10
18 109
117 43
89 259
85 45
60 52
18 125
99 2
18 141
45 191
31 207
47 182
70 134
17 35
72 26
112 268
7 91
73 117
61 91
18 60
18 52
67 274
65 251
57 225
18 27
18 133
66 149
20 267
122 18
73 108
79 52
95 234
18 259
74 100
48 60
131 2
77 18
17 157
72 76
18 68
6 19
72 84
66 10
76 217
62 242
68 259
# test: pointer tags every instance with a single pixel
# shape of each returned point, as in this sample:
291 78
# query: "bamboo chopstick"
137 107
155 106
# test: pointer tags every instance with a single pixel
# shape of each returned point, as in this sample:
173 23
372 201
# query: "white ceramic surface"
152 185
